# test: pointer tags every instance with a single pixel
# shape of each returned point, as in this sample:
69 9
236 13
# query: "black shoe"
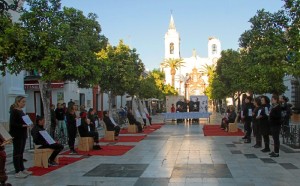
97 147
274 155
265 150
52 164
257 146
245 137
247 141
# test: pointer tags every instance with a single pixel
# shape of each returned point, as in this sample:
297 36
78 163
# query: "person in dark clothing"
60 117
275 124
247 117
38 139
71 128
264 122
229 118
133 121
109 124
85 130
53 121
18 130
285 115
93 118
256 122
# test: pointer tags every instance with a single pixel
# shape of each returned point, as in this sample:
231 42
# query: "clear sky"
142 24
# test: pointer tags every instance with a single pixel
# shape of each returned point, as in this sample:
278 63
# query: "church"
190 79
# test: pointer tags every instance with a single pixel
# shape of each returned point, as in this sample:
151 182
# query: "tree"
121 70
173 64
264 49
58 43
293 38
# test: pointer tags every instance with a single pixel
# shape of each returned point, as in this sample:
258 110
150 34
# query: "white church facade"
189 78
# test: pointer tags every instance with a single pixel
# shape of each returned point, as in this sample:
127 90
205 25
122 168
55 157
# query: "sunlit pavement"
176 154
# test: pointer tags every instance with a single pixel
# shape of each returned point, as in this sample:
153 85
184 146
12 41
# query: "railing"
291 135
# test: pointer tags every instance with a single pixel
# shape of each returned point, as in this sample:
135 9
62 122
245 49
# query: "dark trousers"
150 120
275 130
248 129
266 141
93 134
257 132
139 126
72 131
117 130
18 150
52 130
144 120
56 147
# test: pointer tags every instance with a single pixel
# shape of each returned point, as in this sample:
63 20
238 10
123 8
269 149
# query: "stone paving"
175 155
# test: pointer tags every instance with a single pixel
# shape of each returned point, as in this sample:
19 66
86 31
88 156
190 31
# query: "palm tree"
207 70
173 64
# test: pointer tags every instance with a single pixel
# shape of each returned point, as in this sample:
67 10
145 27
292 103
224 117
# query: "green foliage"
121 69
264 53
58 43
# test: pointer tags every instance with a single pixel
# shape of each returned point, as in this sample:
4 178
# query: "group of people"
262 117
68 119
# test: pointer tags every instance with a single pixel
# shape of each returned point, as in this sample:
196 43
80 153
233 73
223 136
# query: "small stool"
232 127
132 128
109 135
41 157
85 143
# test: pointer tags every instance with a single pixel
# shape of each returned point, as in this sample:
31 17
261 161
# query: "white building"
189 79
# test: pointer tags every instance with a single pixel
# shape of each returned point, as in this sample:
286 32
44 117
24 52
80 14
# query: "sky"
142 24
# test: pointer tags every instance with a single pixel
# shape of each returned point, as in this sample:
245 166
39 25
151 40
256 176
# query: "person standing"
71 128
247 116
18 130
256 122
264 122
60 117
38 139
275 124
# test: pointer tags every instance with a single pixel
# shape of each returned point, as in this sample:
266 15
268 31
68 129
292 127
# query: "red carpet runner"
63 161
215 130
109 150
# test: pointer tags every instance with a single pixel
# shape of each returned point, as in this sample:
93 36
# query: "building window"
214 49
171 48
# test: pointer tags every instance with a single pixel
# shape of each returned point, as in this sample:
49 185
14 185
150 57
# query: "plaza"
176 154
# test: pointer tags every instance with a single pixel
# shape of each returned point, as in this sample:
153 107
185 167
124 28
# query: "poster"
203 102
60 97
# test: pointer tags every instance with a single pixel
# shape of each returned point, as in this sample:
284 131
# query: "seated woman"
85 130
38 139
110 126
133 121
229 118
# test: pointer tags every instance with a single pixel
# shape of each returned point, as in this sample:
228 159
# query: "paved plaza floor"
176 154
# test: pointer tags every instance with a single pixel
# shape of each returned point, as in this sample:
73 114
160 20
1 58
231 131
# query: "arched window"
171 48
214 49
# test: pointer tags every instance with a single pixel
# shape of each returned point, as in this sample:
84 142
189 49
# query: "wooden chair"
132 128
233 127
85 143
108 135
41 157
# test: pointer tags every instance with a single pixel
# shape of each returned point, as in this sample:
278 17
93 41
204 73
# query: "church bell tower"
172 42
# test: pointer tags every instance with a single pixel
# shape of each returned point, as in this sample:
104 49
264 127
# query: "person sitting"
38 139
110 126
229 118
133 121
85 130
